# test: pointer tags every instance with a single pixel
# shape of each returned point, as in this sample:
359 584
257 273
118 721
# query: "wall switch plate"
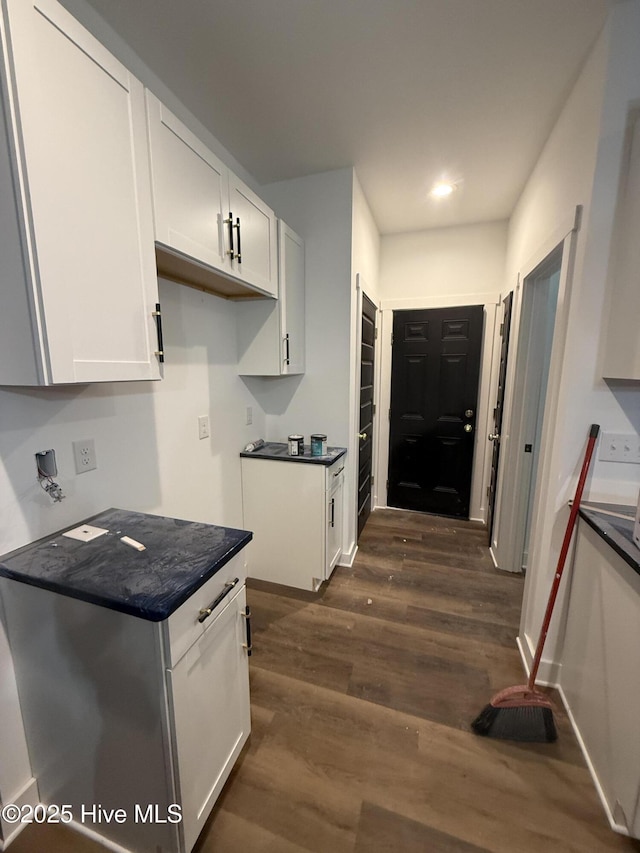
84 454
619 447
249 419
203 426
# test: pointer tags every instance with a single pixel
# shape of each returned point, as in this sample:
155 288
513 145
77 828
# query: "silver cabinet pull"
468 428
207 611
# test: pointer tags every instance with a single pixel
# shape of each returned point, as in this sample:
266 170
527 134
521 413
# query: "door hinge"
387 485
374 409
373 479
502 330
488 491
389 414
375 333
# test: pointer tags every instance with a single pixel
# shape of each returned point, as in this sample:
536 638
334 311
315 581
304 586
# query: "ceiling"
407 91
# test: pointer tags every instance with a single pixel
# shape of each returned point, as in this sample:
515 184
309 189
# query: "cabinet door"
258 264
79 134
292 279
190 188
335 503
209 689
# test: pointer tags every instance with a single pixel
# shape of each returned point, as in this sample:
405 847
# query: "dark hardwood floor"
362 697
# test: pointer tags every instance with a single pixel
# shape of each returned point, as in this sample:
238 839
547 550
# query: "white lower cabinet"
209 692
124 713
295 512
599 673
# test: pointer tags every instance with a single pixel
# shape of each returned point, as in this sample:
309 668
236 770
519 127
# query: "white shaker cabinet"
122 712
207 221
294 509
271 336
79 286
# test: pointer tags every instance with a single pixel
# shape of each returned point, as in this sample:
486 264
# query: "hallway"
361 700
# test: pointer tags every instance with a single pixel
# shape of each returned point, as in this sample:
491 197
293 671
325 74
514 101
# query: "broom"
523 713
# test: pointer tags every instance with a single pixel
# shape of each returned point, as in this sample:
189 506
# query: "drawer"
335 474
183 627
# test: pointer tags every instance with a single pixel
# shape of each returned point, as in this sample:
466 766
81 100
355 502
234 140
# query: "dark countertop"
179 557
618 532
280 451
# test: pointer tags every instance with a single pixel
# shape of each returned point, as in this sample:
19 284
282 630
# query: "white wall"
443 261
437 268
579 166
148 452
319 208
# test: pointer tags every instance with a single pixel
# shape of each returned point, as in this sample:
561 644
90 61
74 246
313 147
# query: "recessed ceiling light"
442 189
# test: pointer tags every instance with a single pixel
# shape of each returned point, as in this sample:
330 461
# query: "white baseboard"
347 558
617 827
552 672
99 839
25 796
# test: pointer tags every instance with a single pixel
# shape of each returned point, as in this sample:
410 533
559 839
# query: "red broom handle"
575 507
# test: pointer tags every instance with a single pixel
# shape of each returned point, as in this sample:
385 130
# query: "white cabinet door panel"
259 262
189 189
84 179
210 696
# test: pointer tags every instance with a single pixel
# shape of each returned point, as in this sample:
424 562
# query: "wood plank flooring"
362 697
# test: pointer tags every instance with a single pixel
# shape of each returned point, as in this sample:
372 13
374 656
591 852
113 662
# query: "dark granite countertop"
618 532
179 557
280 450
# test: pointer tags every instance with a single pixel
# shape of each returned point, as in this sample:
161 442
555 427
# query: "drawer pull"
248 645
207 611
339 471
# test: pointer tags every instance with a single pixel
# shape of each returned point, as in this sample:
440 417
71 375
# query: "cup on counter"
296 445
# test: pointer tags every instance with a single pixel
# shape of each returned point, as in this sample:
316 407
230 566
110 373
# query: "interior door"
499 410
365 444
434 389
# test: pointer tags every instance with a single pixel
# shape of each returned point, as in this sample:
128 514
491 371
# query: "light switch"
203 426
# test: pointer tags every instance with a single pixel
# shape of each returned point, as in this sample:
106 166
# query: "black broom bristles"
526 723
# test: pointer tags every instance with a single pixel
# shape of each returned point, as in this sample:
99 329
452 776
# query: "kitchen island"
132 672
600 672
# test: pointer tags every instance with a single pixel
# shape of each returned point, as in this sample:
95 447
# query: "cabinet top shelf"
280 452
179 557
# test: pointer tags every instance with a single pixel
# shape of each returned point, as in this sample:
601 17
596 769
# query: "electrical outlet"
84 454
249 419
203 426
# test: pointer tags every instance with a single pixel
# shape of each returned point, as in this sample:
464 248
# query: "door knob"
468 428
362 436
468 413
494 436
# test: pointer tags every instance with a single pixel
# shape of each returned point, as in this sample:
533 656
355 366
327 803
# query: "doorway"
533 353
365 435
435 370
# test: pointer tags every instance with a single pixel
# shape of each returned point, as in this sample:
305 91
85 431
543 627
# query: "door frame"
488 380
361 287
506 533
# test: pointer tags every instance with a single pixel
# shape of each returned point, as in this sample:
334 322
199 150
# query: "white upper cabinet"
271 336
622 345
206 219
79 286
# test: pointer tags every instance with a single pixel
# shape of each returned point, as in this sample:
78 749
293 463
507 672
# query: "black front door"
366 410
434 390
505 329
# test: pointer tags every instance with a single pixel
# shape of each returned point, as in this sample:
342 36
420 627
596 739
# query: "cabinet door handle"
248 645
239 249
229 222
207 611
333 512
158 318
287 358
